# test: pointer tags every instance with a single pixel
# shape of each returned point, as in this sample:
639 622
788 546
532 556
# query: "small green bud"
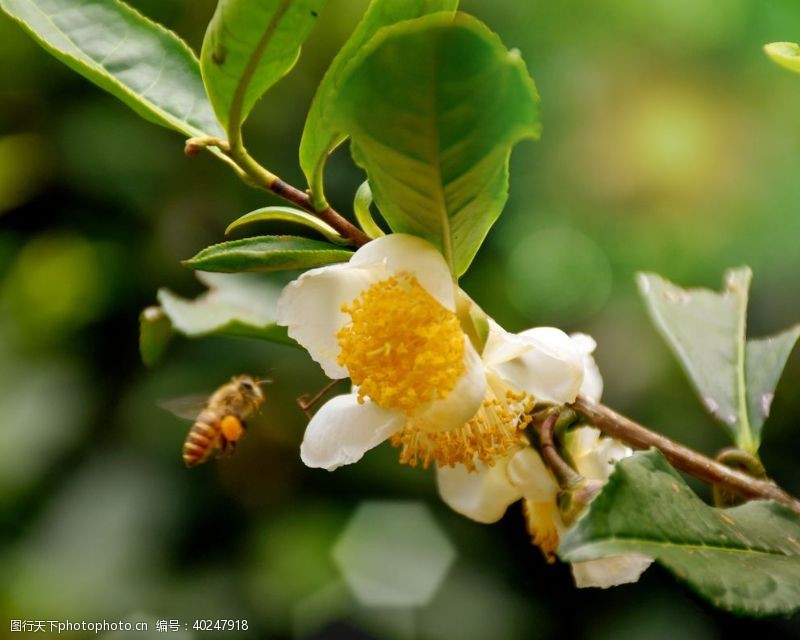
473 319
786 54
741 461
573 500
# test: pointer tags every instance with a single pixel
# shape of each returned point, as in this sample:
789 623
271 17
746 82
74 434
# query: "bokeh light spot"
393 554
24 166
106 526
44 411
59 282
558 272
672 138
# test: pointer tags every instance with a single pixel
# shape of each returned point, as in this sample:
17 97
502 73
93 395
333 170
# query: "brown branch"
252 173
695 464
565 474
264 179
301 199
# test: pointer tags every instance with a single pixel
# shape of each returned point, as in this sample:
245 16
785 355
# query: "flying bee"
221 422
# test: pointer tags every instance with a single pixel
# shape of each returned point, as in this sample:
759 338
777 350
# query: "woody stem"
681 457
251 172
564 473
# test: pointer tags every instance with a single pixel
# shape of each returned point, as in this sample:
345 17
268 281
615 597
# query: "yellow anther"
495 431
403 348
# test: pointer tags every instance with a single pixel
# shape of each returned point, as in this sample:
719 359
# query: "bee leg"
226 448
306 402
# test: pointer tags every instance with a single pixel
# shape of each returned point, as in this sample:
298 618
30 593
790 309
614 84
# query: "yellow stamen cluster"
542 527
403 348
495 431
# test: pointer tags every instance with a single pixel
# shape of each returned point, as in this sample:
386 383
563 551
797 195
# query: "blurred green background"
670 144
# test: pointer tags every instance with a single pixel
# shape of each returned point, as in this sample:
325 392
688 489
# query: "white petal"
400 252
592 386
527 472
482 495
609 572
551 369
594 456
604 458
311 307
584 343
613 450
462 403
582 440
502 346
580 444
343 430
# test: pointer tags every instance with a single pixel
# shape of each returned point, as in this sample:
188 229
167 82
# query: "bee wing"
187 407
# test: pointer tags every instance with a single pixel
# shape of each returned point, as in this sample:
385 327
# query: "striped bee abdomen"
202 438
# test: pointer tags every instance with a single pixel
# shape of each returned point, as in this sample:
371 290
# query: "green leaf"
319 137
140 62
362 207
268 253
241 304
155 333
248 47
706 330
765 361
786 54
288 214
433 107
745 559
238 305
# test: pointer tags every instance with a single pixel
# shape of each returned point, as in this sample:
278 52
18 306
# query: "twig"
565 474
301 199
252 173
695 464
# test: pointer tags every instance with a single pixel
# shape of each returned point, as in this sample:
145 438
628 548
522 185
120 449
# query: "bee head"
251 387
